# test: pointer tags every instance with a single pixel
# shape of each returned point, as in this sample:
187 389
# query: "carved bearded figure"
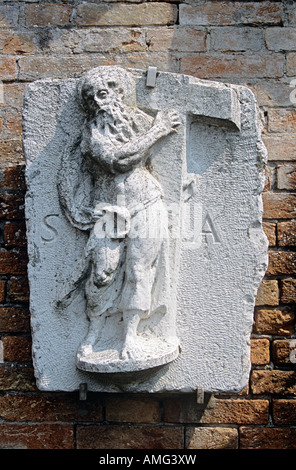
106 188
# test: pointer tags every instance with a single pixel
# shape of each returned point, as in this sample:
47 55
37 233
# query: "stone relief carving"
106 189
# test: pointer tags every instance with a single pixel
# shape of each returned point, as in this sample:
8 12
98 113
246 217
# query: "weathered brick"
18 289
281 262
279 205
14 320
236 39
48 15
231 13
274 322
233 66
119 40
284 412
34 68
260 351
267 438
282 120
286 177
20 42
280 39
280 382
13 123
9 15
18 378
291 64
11 151
12 177
283 351
13 262
15 234
286 232
13 95
130 437
281 148
92 14
11 206
288 291
268 293
8 69
2 290
271 93
36 436
63 408
177 39
136 410
270 231
211 438
236 411
16 349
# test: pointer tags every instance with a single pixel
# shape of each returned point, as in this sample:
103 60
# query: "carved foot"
132 350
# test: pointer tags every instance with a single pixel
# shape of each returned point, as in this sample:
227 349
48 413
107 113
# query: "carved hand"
167 122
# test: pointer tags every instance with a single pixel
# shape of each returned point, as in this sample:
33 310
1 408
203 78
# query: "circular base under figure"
155 352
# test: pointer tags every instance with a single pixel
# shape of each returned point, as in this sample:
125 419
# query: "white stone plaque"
145 237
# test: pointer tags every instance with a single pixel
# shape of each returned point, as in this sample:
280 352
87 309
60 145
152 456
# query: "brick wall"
252 43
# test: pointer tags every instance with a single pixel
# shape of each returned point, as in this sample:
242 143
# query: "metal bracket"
200 395
83 391
151 76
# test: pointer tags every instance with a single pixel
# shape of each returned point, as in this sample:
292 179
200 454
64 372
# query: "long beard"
116 122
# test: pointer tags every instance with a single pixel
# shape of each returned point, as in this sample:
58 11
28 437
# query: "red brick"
233 66
13 262
14 320
62 408
288 291
15 234
48 15
281 262
283 351
135 410
267 438
260 351
36 436
17 378
11 206
2 290
130 437
279 205
13 95
16 349
274 322
286 232
18 290
8 69
284 412
231 13
13 177
236 411
280 382
13 123
281 148
92 14
282 120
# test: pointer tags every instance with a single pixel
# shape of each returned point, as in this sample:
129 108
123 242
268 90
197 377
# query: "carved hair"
106 77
